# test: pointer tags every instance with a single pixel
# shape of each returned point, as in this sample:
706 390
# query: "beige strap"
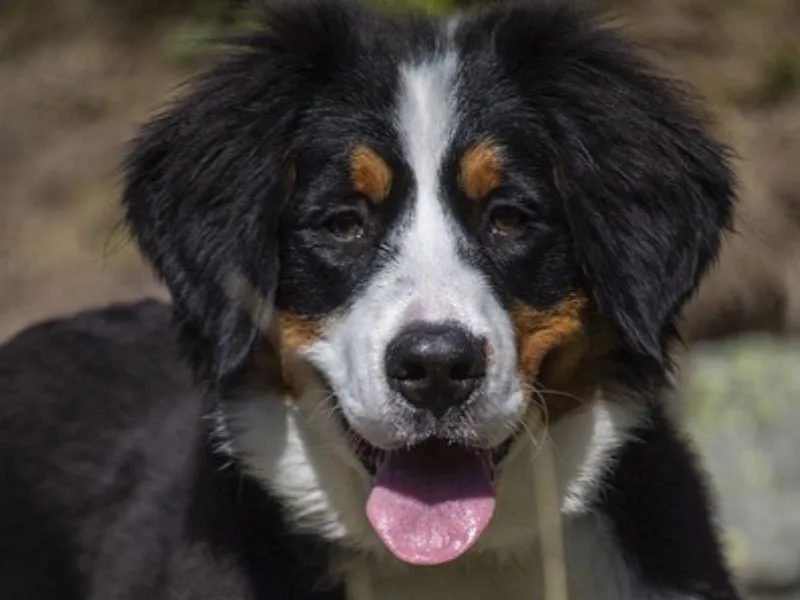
548 510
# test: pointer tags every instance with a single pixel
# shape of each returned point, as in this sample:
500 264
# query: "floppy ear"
205 182
204 185
203 189
648 194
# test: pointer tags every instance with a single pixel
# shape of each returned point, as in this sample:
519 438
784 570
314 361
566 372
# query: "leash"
358 583
548 511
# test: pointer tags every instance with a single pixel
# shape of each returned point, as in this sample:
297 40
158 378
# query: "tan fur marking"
539 331
565 350
296 331
275 361
556 334
369 174
481 170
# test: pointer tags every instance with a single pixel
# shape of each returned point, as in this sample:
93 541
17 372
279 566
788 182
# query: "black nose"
435 367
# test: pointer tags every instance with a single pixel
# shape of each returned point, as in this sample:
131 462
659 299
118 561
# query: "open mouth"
430 503
372 458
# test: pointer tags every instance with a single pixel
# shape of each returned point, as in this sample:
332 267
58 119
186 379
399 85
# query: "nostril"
410 371
468 369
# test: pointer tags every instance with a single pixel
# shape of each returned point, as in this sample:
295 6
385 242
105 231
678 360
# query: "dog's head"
454 227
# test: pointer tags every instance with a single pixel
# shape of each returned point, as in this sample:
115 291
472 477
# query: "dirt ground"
65 114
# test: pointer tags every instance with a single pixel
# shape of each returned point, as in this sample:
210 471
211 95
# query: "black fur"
110 488
662 512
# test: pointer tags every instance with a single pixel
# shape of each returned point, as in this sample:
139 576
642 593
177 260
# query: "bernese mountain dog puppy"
408 256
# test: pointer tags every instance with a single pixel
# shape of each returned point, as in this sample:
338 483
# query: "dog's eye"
346 226
506 221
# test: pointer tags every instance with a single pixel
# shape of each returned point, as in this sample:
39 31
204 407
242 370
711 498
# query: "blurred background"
77 76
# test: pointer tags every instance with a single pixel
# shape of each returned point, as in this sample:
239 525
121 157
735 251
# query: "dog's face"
457 227
412 253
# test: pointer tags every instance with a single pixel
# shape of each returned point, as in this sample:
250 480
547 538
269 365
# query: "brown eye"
346 226
506 221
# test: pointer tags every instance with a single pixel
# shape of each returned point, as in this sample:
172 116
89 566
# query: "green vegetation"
781 79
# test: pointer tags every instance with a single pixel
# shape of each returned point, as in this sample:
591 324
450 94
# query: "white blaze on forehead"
427 116
427 119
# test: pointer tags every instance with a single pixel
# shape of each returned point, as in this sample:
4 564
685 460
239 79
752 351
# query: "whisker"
538 388
536 441
325 408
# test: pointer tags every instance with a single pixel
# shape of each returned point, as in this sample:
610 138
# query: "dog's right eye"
506 221
347 226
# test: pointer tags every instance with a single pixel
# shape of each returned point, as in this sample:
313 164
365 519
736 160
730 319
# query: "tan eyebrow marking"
481 170
369 173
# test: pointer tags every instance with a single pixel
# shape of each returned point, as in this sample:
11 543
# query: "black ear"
203 189
205 182
648 193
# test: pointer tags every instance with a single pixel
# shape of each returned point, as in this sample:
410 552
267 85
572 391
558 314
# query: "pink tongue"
431 504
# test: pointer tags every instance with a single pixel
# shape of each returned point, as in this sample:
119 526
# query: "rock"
742 406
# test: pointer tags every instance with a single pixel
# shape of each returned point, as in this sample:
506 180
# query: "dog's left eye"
507 221
347 226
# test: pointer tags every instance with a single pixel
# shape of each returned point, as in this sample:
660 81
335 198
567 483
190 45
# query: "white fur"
299 452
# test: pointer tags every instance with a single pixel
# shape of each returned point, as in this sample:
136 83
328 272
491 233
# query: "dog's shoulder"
86 379
110 486
91 391
97 419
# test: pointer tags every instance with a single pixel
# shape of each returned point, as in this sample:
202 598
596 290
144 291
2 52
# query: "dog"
409 259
